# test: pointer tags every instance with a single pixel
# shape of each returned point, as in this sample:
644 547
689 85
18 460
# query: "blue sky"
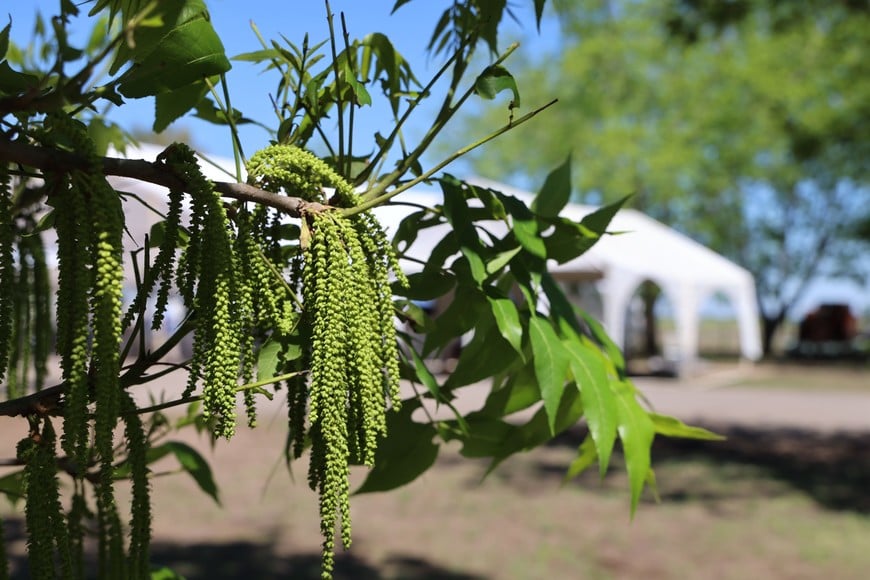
409 29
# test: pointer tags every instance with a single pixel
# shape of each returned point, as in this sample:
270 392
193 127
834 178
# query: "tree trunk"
769 327
649 294
651 347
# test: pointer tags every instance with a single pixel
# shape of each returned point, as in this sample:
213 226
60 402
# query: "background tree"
743 124
290 285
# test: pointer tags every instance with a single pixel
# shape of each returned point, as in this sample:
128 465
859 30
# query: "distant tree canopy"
744 124
289 284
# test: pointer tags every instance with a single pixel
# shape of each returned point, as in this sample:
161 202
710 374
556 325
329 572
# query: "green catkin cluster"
208 280
26 332
4 559
78 512
354 372
140 520
7 270
48 544
98 224
32 335
162 271
294 170
71 223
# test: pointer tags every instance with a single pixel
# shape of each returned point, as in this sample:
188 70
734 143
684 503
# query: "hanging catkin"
208 280
46 529
352 353
7 270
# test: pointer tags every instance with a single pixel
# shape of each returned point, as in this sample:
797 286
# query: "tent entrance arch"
719 327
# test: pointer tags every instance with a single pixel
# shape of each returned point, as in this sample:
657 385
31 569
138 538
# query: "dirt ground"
787 496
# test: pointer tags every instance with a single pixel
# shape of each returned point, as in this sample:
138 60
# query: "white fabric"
643 249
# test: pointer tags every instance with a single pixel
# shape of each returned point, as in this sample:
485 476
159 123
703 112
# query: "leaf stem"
373 202
194 398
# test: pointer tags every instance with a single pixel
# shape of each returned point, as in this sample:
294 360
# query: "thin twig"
194 398
370 203
157 173
329 16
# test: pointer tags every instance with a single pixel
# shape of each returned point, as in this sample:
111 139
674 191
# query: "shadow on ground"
230 561
831 468
234 560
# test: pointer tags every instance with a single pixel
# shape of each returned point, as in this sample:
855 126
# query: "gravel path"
760 407
718 397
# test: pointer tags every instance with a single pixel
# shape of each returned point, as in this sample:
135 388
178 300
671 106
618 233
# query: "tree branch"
156 172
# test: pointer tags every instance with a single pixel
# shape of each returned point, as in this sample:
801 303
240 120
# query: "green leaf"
489 436
486 355
457 213
427 285
105 135
610 349
539 12
485 436
208 111
258 55
13 82
194 464
490 199
425 376
501 260
4 39
183 51
555 193
443 250
359 91
539 430
495 79
636 431
653 485
599 402
171 105
561 308
276 350
390 68
192 416
524 226
672 427
598 220
411 226
461 316
519 391
507 317
45 223
398 5
568 240
166 574
586 456
267 361
406 453
12 486
551 364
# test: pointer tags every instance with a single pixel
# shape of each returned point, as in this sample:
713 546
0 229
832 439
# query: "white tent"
687 272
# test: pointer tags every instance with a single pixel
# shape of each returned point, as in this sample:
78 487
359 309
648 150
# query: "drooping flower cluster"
352 353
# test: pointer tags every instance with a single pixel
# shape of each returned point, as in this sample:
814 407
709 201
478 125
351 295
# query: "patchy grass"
807 376
767 504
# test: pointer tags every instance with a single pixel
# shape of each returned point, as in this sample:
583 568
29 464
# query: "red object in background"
828 323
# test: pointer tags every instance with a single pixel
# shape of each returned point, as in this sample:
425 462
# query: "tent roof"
643 247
